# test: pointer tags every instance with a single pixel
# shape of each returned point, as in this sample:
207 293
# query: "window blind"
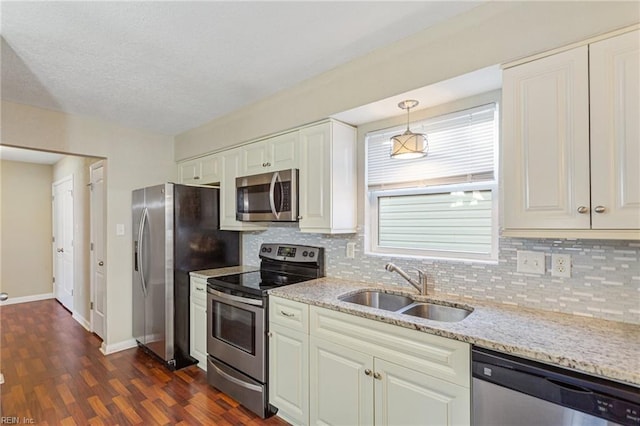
461 149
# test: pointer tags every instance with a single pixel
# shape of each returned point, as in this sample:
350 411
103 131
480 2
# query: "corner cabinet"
351 370
328 193
571 142
198 321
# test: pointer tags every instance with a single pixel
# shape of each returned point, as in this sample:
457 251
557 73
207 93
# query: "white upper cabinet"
615 132
571 142
201 171
276 153
328 178
231 160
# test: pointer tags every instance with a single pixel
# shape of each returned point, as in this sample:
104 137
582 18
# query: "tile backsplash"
604 283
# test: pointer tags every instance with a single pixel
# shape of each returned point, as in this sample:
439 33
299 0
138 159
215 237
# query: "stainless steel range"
237 321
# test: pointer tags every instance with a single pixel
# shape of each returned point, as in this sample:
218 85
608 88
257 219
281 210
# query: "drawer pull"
287 314
199 289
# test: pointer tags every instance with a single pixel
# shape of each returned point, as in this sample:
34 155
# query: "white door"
63 241
408 397
98 258
288 373
615 132
341 385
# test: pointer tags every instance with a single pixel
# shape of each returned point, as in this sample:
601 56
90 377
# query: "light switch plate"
120 229
351 250
530 262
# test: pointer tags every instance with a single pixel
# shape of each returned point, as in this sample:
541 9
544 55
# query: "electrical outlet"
561 265
351 250
530 262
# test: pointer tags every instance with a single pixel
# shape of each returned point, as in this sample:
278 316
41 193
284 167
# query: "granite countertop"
218 272
598 347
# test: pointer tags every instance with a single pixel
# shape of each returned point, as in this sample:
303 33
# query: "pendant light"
409 145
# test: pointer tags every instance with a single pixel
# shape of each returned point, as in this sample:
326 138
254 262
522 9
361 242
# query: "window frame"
371 231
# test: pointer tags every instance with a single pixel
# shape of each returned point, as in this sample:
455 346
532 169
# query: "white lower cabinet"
198 322
363 372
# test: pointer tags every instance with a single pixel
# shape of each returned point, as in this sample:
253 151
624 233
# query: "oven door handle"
272 189
225 296
238 382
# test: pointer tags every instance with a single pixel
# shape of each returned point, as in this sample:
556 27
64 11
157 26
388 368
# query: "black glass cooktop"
255 283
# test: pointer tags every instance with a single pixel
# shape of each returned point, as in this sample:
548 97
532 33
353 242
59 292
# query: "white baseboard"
117 347
83 321
25 299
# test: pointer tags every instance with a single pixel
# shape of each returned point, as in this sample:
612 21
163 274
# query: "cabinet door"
210 169
408 397
341 387
284 151
230 166
615 132
546 142
198 322
289 373
255 159
190 171
315 177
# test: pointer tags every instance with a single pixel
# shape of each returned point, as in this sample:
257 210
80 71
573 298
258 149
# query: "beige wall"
25 228
493 33
135 159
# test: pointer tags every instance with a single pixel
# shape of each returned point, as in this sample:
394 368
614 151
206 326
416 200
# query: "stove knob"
264 249
312 254
305 253
269 250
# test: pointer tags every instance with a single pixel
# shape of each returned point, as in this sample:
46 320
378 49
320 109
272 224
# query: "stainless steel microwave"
268 197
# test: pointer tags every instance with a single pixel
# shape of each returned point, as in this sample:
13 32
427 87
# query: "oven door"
236 332
271 197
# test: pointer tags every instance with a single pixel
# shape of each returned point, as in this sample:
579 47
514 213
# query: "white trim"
82 321
570 46
117 347
25 299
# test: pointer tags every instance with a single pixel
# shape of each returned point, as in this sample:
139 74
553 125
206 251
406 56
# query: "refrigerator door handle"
272 188
143 223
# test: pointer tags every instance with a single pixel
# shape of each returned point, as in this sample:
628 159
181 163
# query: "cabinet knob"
196 177
367 372
599 209
583 210
101 263
377 376
270 334
60 250
299 217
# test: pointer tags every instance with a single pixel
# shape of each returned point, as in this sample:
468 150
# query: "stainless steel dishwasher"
511 391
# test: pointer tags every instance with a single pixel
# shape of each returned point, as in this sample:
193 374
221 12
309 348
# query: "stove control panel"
291 252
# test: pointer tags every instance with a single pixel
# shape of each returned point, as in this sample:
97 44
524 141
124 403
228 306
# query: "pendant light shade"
409 145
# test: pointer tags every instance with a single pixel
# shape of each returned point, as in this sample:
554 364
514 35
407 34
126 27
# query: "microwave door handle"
272 188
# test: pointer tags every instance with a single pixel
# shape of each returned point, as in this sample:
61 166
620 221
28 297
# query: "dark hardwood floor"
55 375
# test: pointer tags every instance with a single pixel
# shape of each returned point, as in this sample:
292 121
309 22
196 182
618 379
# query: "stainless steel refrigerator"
175 231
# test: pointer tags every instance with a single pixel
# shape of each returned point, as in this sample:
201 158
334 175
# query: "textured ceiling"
172 66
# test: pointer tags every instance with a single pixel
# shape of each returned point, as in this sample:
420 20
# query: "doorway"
63 260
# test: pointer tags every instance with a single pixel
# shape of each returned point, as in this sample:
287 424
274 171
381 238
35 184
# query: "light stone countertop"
598 347
218 272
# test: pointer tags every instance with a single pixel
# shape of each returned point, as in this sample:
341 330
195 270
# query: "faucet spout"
420 285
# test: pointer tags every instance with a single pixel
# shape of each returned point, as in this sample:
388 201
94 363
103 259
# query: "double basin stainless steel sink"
406 305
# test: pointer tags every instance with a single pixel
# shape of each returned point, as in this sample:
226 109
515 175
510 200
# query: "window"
443 205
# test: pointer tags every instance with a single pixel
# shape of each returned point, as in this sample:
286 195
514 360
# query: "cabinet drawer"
294 315
198 290
446 359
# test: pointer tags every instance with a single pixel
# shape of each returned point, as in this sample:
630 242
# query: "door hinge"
91 307
54 280
72 292
91 246
53 239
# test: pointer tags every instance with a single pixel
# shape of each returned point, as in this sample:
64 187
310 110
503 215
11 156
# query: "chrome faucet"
421 285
